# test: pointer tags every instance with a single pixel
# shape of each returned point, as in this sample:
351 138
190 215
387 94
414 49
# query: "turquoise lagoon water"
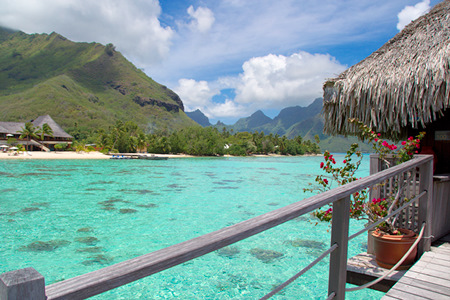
69 217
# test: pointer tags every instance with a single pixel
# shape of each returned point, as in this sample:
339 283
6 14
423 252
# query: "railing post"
375 167
338 259
426 205
23 284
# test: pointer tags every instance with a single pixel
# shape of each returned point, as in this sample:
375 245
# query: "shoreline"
98 155
54 155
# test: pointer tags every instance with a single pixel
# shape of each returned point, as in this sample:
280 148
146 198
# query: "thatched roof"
57 130
17 127
405 83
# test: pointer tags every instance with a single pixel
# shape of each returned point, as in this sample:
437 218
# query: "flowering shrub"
340 174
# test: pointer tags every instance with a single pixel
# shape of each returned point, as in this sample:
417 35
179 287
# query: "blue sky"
228 58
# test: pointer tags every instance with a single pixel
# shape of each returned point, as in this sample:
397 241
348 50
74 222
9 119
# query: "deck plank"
418 291
363 268
427 285
429 278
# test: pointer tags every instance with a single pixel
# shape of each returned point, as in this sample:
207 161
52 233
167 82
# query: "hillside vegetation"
291 122
83 86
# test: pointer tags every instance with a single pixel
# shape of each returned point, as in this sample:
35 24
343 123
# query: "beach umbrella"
404 84
13 148
9 134
4 146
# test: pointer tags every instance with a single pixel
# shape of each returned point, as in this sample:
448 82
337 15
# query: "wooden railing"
116 275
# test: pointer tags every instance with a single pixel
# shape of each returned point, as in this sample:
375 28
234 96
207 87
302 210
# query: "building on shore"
10 132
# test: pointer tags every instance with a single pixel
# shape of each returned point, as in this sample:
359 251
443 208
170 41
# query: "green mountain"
87 84
294 121
255 122
199 117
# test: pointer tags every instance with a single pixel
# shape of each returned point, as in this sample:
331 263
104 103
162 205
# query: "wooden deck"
363 268
429 278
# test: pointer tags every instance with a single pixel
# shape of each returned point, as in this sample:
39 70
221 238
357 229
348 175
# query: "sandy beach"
98 155
71 155
55 155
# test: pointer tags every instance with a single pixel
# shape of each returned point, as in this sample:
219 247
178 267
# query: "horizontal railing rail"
102 280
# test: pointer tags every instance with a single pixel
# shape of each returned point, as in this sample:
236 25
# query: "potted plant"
373 209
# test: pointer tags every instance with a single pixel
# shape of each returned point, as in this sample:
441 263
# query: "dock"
428 278
363 268
137 156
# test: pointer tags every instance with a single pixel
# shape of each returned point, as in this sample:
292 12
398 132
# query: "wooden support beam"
338 259
23 284
426 204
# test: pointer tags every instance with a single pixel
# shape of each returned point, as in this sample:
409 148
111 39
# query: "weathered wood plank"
386 297
440 256
443 250
404 295
105 279
427 293
365 263
363 268
434 273
432 265
440 260
427 285
427 278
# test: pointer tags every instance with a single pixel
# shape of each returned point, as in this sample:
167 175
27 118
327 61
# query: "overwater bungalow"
12 131
401 88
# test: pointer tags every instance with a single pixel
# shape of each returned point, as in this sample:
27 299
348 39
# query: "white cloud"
132 26
277 81
195 94
410 13
268 82
227 109
203 18
199 95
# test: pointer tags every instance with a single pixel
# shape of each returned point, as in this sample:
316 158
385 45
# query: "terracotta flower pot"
389 249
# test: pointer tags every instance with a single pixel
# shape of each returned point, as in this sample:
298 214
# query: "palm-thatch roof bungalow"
400 89
14 129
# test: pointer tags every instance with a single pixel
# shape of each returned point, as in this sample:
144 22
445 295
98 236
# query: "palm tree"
28 132
45 130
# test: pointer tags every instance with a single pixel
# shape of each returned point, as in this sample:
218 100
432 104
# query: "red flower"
379 134
321 165
344 161
325 181
404 143
376 140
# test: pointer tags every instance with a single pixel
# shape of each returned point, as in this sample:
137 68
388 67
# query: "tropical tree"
28 133
45 130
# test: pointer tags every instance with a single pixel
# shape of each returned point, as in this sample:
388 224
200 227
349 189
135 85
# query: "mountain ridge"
293 121
88 85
